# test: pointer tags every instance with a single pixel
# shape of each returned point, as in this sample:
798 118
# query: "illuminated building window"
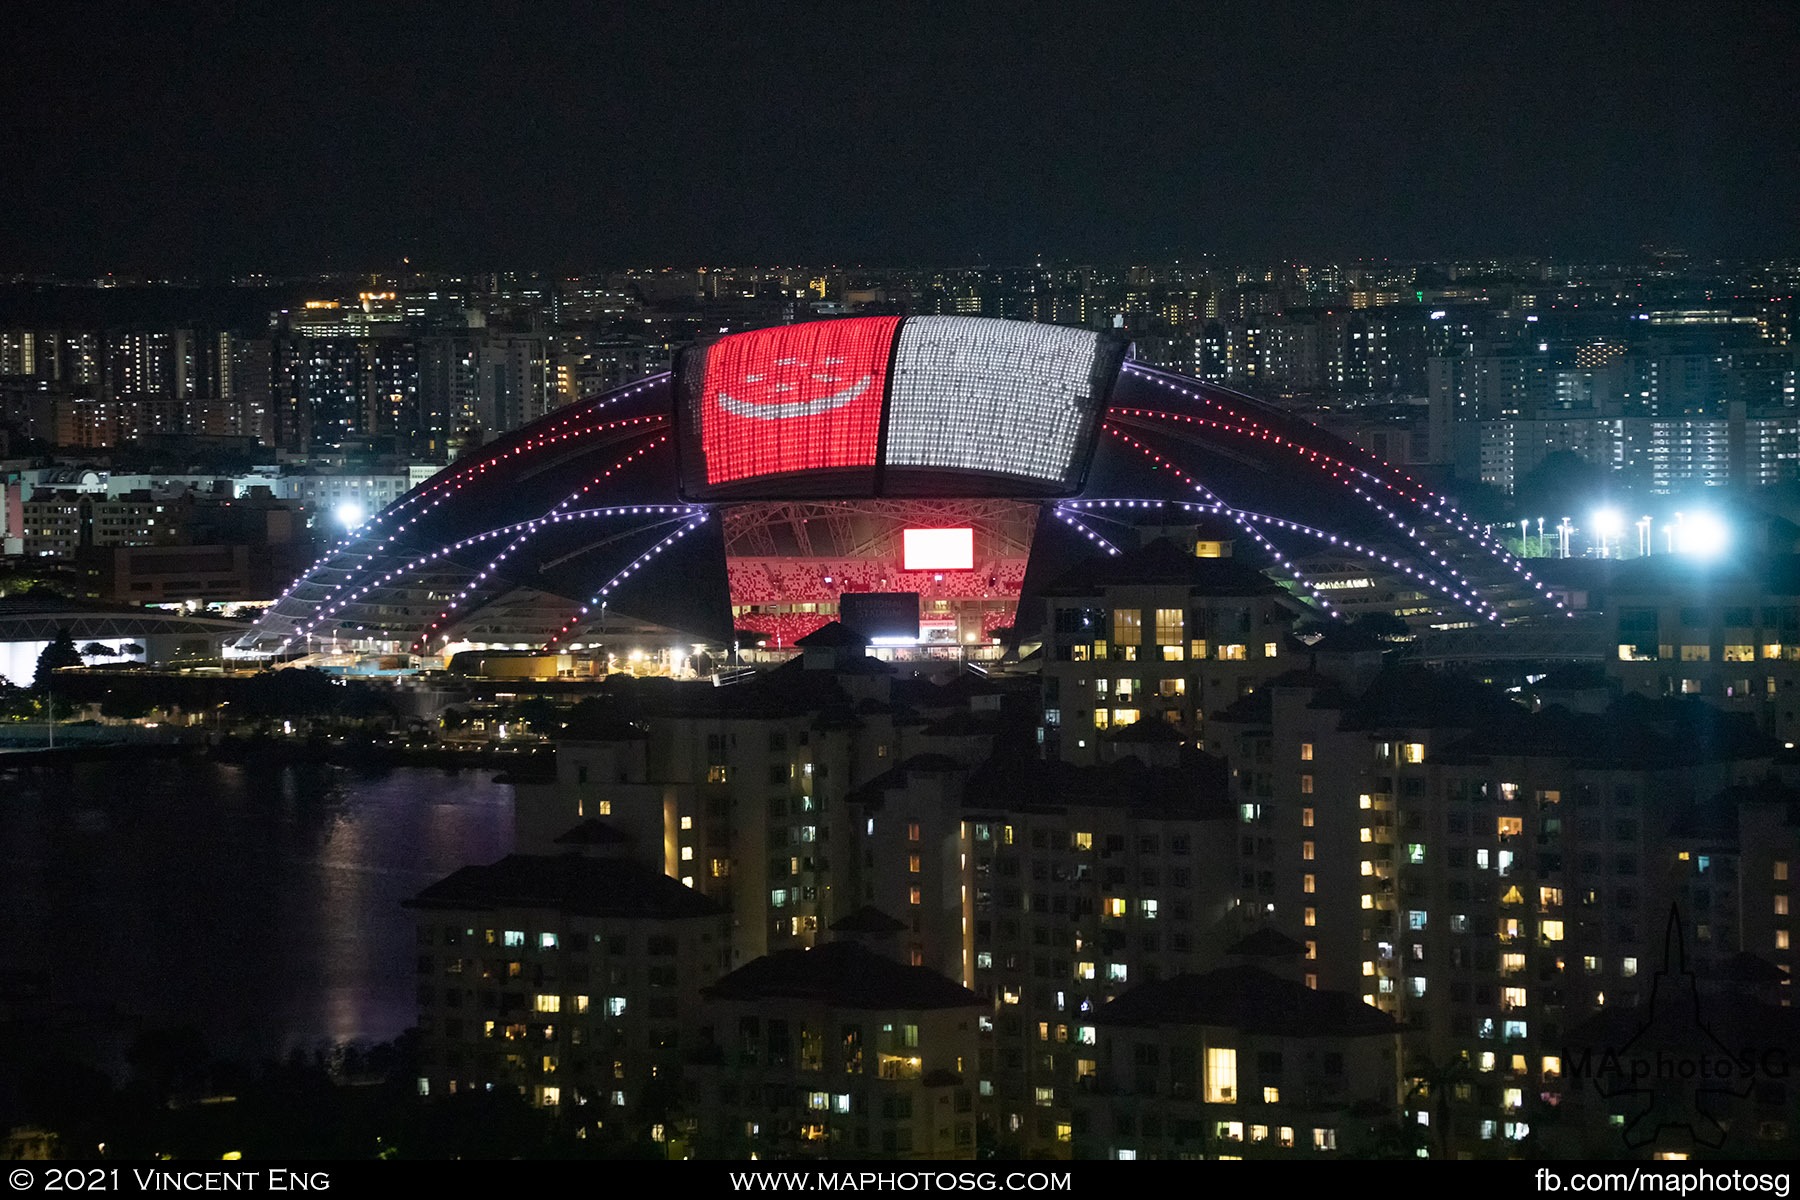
914 896
715 774
1128 626
1306 751
1221 1075
1306 785
1113 906
1169 627
1197 649
1307 850
1309 917
1692 653
1740 653
547 1003
912 863
912 831
687 822
1780 870
1081 841
1306 817
1147 909
1270 650
1084 970
1271 1095
1307 884
1236 652
1412 752
1312 950
687 854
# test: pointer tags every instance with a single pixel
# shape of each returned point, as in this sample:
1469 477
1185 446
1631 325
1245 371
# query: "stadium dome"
775 474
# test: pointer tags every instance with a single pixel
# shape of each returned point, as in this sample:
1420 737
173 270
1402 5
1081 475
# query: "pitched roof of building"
867 919
594 832
1247 999
567 883
842 975
1266 943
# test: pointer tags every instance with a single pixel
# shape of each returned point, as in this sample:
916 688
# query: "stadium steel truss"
828 437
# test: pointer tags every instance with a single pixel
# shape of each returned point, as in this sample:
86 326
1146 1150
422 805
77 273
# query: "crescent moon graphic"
783 410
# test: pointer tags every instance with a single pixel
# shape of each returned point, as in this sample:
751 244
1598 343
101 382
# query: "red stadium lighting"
795 398
938 549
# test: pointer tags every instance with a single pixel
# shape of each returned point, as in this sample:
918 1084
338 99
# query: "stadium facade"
776 473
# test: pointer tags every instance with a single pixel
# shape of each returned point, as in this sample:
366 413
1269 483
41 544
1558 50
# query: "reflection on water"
261 905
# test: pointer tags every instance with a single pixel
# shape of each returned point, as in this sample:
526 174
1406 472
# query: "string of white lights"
600 597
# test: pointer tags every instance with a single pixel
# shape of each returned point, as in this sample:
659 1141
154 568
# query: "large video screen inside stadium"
937 549
869 406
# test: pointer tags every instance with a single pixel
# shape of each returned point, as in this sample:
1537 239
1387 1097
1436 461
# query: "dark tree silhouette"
61 652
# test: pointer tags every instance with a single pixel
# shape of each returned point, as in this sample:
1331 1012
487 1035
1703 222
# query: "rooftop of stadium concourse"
1163 563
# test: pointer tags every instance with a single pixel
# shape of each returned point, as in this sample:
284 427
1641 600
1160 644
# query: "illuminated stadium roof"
616 504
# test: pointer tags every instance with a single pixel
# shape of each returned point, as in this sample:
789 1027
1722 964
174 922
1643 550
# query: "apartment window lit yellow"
1235 652
1307 850
1308 884
1270 650
1128 626
912 863
1412 752
1310 917
915 896
1306 817
1221 1075
1306 785
1168 627
1306 751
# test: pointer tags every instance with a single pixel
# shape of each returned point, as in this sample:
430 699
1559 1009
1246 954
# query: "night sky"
215 138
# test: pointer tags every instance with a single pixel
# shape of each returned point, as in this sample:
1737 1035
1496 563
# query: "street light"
1643 527
1564 530
1608 524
